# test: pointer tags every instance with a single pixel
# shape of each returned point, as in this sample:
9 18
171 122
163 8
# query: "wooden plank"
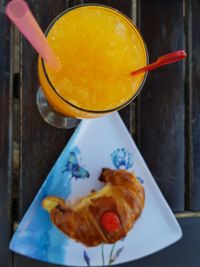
184 253
5 141
123 6
161 108
41 144
195 100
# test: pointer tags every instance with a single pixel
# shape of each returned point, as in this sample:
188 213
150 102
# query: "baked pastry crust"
122 195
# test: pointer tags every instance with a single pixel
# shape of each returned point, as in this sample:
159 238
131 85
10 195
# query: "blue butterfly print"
72 166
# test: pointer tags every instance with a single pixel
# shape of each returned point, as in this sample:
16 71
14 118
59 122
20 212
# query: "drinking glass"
98 48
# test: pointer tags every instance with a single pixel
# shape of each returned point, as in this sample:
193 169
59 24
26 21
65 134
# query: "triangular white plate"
96 143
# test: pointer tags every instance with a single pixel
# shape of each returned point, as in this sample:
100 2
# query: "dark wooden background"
164 120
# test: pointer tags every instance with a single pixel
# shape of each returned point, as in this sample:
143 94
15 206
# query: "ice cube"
120 29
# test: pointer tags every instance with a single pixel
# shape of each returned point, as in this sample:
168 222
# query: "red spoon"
161 61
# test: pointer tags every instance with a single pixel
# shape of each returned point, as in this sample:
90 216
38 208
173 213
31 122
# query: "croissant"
104 216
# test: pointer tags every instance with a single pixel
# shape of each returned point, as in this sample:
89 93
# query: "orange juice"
98 48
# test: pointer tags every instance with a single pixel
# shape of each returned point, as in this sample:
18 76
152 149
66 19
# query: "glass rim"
68 102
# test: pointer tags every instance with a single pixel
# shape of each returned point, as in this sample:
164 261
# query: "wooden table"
164 120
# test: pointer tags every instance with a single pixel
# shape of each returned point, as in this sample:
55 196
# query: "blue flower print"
122 159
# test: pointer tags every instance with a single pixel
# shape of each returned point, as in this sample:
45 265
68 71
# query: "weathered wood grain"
195 101
160 118
41 144
5 141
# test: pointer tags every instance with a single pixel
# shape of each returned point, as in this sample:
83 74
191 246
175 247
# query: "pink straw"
19 13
